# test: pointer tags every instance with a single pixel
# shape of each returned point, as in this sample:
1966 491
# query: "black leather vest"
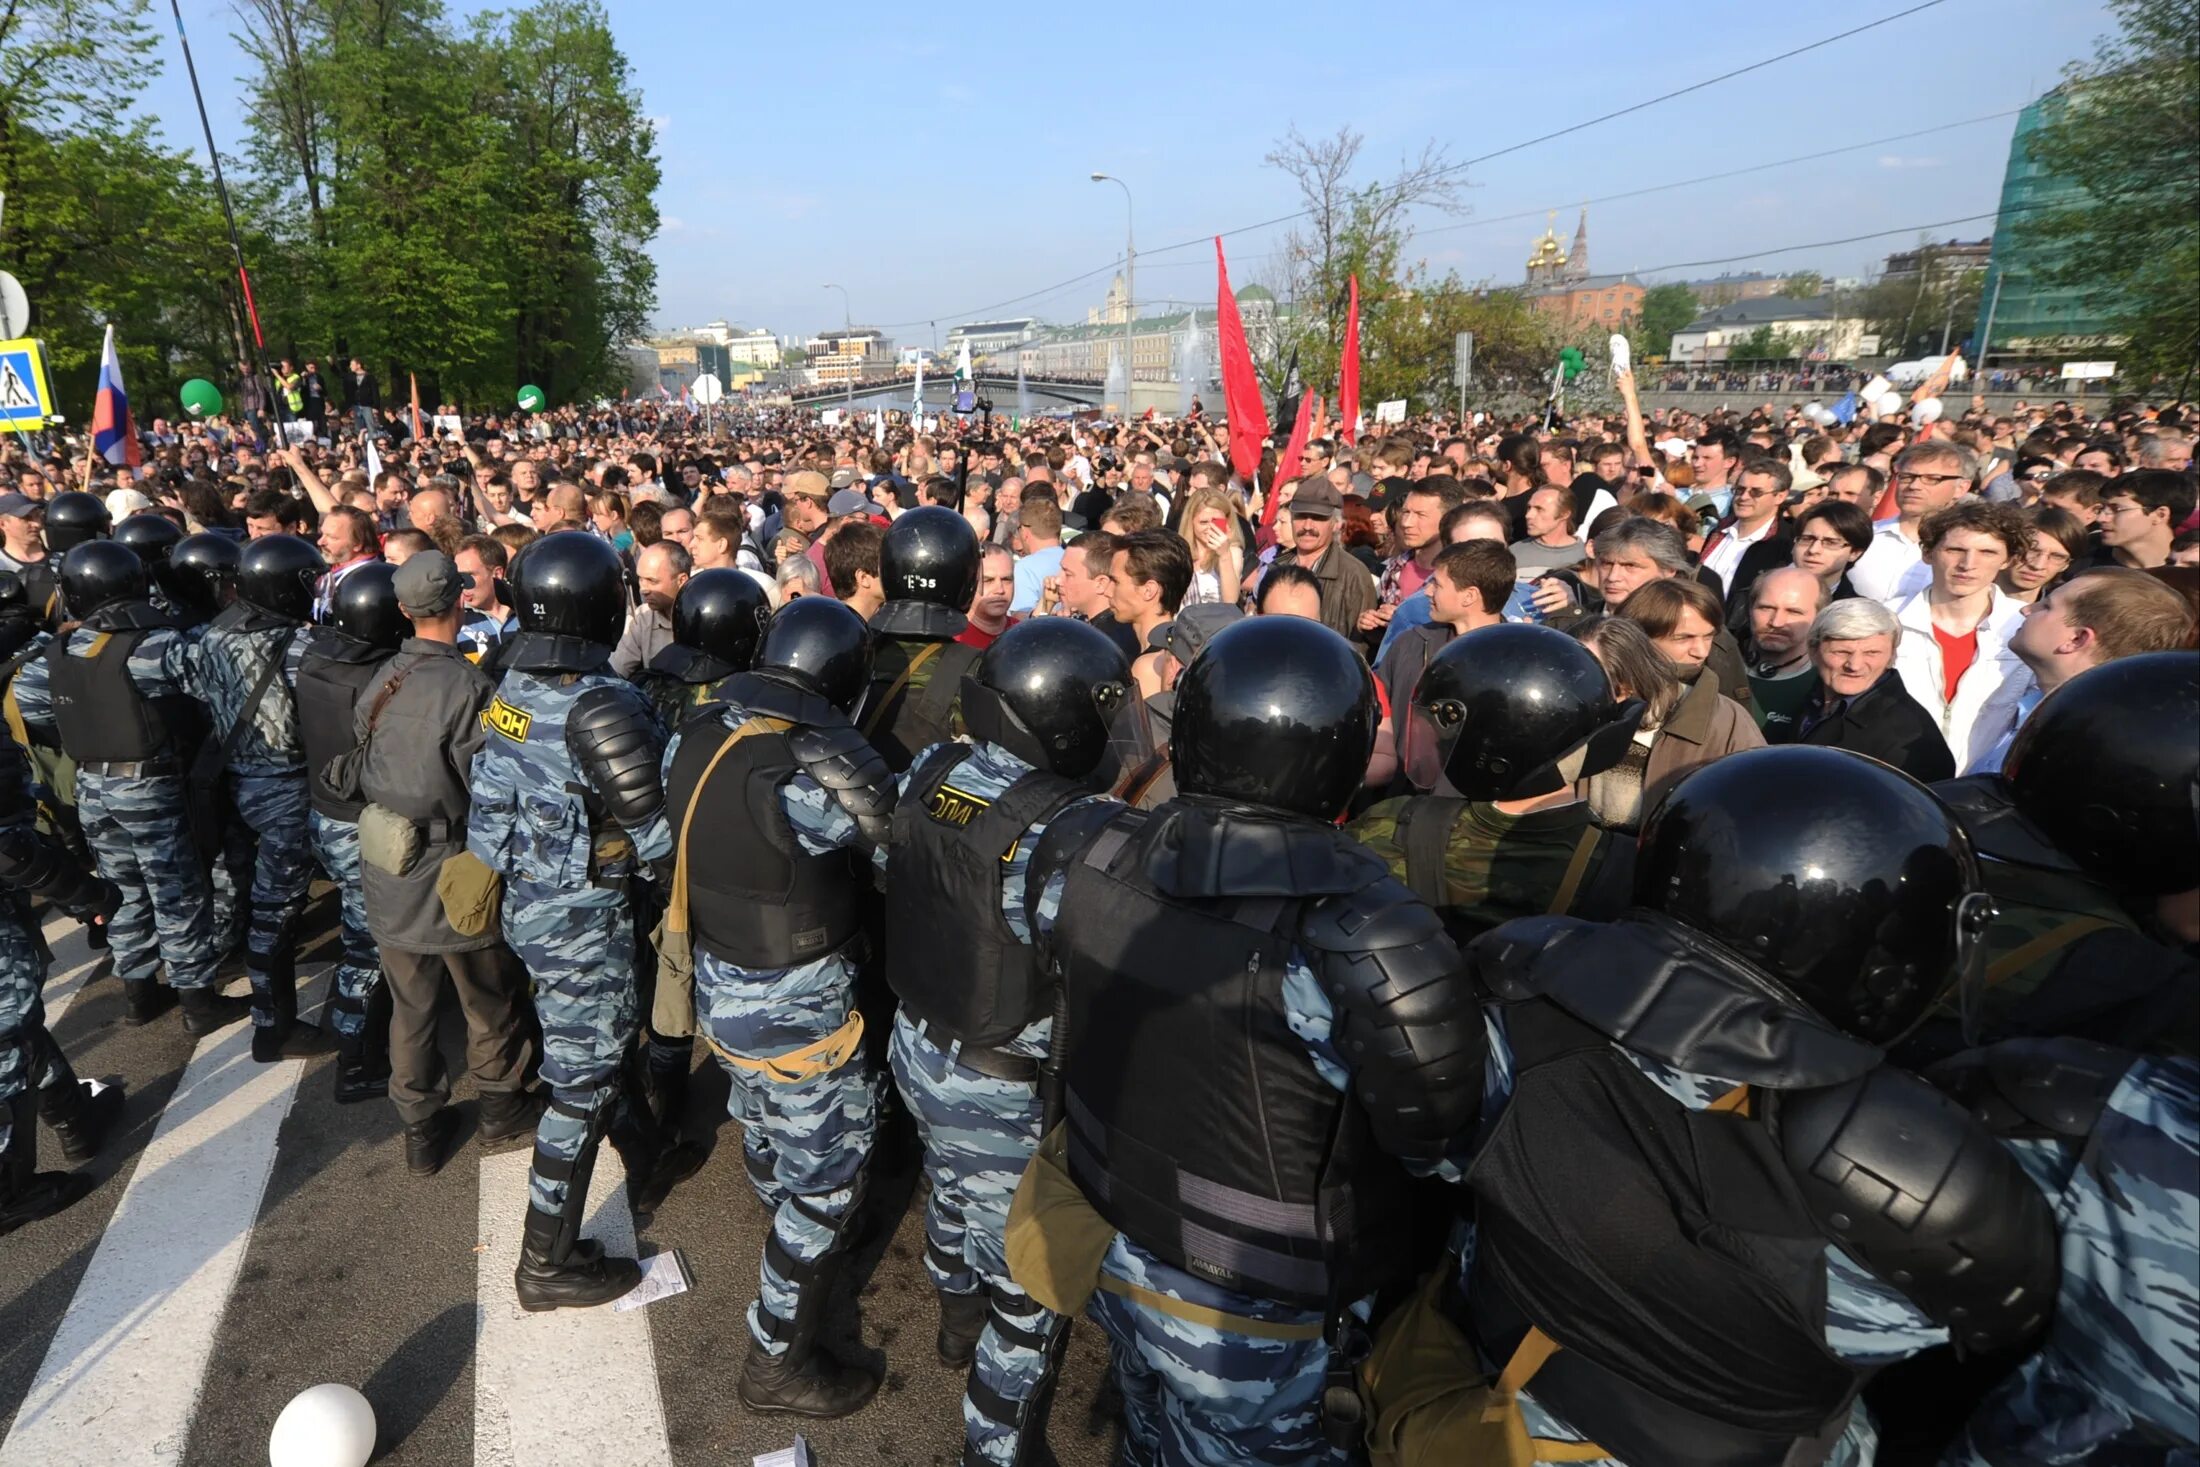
1198 1124
99 713
758 900
950 957
335 670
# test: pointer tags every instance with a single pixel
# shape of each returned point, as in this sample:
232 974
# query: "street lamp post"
847 323
1130 309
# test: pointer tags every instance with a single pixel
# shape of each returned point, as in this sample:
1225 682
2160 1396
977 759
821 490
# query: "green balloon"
532 399
201 398
1570 359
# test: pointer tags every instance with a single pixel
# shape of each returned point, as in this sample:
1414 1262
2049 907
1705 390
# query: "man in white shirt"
1928 477
1954 656
1756 515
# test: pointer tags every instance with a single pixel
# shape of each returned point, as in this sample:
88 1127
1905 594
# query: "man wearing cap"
1317 522
419 726
23 547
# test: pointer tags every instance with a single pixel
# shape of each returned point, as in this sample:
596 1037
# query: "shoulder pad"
2033 1088
1925 1197
1404 1015
1067 836
846 767
615 738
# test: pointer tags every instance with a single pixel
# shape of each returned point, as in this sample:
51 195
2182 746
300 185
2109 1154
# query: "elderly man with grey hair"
798 577
1862 705
1639 550
2166 448
1928 477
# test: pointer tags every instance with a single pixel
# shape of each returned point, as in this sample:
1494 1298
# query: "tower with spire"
1577 262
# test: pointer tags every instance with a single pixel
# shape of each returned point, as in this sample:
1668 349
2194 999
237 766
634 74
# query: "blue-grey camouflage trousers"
138 829
978 1133
29 1059
805 1143
274 807
336 847
230 880
1196 1394
578 949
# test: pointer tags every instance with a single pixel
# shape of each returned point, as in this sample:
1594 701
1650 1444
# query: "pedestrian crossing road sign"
26 401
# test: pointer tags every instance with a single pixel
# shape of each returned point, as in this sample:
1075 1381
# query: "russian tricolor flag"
114 436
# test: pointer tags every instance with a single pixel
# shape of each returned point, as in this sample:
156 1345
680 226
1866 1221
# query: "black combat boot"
507 1117
363 1059
962 1320
288 1037
26 1193
80 1118
144 1000
805 1379
207 1009
558 1269
428 1144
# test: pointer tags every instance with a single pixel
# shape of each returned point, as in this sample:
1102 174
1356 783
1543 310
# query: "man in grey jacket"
419 725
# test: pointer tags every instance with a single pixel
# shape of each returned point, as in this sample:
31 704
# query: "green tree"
1913 314
2125 130
1802 285
1665 309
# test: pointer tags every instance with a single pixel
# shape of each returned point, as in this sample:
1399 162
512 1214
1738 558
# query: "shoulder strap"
2054 940
1025 802
1577 868
876 714
234 735
389 691
676 906
1424 830
938 698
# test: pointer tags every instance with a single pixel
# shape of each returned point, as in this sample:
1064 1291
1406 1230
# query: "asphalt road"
353 1270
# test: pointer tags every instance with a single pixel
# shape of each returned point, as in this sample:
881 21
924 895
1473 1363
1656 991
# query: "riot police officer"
928 568
114 694
244 668
194 582
35 1078
1519 715
1233 943
792 801
569 809
73 517
202 577
341 661
154 538
2095 878
1705 1209
717 620
976 1007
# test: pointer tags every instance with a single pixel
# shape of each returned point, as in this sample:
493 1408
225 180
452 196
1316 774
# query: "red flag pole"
414 379
1348 370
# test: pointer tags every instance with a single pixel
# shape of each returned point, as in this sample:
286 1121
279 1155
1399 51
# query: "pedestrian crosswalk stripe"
123 1374
573 1387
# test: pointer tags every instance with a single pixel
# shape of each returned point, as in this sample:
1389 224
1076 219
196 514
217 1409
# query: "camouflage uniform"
138 828
565 909
978 1134
1497 866
229 877
265 780
805 1144
359 969
2118 1379
29 1058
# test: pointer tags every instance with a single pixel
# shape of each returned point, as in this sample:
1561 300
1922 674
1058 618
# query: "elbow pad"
847 768
615 741
1405 1017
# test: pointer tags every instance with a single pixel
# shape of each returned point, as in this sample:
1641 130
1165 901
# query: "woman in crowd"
2057 541
1210 530
1682 726
1830 537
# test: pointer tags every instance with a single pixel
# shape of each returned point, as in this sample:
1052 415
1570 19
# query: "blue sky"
935 160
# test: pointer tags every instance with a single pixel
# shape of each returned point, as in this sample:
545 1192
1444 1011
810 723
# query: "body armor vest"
910 703
762 902
334 672
99 713
1198 1124
953 962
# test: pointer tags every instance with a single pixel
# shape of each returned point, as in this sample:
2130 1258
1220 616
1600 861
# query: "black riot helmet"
1840 881
820 644
1046 692
101 573
202 571
18 621
930 555
1276 711
722 613
1518 711
571 584
74 517
153 536
364 606
278 573
2108 768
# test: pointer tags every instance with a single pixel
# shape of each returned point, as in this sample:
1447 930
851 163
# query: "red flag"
1348 370
1240 388
1287 467
414 379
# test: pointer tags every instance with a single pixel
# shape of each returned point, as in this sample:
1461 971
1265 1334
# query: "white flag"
878 428
919 396
374 463
962 365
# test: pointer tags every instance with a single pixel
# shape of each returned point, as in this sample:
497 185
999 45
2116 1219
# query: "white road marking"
123 1375
573 1387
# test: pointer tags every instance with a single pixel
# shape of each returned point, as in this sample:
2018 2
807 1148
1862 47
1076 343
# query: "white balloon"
323 1426
1889 404
1928 411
